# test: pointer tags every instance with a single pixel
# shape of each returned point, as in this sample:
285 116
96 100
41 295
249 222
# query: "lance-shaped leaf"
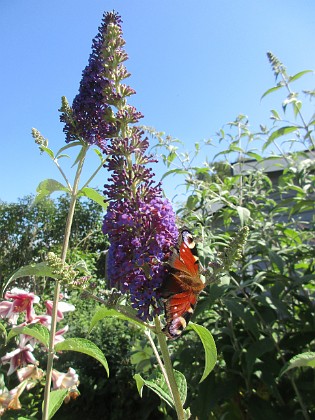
298 75
37 269
55 401
94 196
273 89
37 331
47 187
82 345
67 146
208 345
278 133
306 359
157 383
105 312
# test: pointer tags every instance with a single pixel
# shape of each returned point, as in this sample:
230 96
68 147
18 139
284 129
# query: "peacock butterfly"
181 285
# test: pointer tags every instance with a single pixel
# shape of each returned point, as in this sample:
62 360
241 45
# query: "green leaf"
80 155
243 214
275 115
277 260
3 332
48 151
55 401
209 347
85 346
105 312
174 171
273 89
255 156
298 75
306 359
99 154
37 331
192 200
94 196
139 382
47 187
36 269
67 146
157 384
256 350
278 133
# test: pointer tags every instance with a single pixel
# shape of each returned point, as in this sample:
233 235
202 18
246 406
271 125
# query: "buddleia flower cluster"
90 117
140 223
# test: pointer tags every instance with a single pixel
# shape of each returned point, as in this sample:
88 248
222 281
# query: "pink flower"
69 380
9 400
19 357
30 373
22 302
62 307
59 334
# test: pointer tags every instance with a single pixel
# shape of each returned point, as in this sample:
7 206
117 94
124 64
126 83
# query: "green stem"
65 245
170 378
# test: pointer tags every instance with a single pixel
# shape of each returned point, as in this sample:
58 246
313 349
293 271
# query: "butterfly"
181 286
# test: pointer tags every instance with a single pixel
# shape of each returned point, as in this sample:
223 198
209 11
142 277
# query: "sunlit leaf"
68 146
157 383
306 359
47 187
278 133
209 347
298 75
37 269
105 312
94 195
56 399
82 345
174 171
37 331
273 89
48 151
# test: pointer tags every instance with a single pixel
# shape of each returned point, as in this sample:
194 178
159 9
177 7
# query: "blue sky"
195 64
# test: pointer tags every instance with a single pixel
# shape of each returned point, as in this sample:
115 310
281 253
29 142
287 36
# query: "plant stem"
65 245
170 378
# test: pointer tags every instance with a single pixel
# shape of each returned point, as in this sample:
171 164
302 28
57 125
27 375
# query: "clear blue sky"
195 64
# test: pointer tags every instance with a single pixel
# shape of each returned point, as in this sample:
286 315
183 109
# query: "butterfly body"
182 285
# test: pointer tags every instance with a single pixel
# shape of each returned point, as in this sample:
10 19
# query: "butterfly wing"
181 286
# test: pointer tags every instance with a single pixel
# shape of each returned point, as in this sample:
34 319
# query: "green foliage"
261 312
28 230
101 397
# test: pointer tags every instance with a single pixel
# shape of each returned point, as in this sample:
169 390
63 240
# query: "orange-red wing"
185 260
179 309
181 286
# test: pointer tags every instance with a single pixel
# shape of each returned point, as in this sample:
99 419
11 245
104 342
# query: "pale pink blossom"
59 334
22 302
62 307
31 374
9 400
42 319
69 380
21 356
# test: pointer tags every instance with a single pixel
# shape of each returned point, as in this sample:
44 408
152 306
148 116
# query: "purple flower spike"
91 117
141 233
